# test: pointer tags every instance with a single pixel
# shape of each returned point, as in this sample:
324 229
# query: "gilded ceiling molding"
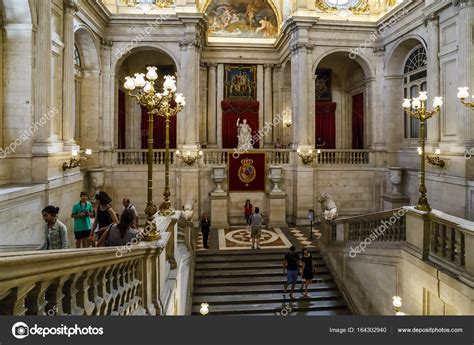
362 7
324 7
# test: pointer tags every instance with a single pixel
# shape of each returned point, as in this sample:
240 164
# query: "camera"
21 331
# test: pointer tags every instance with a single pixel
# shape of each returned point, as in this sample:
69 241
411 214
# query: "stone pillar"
107 96
277 109
220 98
374 95
212 105
70 8
465 72
261 100
268 106
189 87
433 75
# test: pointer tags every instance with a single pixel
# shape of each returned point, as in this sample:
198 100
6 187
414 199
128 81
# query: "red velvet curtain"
121 120
326 124
358 121
159 131
233 110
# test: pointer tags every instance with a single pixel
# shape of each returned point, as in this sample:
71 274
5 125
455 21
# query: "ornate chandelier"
147 5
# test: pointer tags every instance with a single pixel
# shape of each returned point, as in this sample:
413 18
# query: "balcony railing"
353 157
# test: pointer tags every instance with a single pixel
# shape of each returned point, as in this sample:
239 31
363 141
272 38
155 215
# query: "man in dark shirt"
290 268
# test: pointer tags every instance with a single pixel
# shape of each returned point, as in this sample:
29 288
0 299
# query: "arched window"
77 95
414 81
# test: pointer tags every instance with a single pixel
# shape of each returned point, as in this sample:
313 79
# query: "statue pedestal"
219 210
394 201
276 208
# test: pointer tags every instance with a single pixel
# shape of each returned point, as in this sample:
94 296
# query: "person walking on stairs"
290 268
205 228
55 232
256 231
307 270
82 212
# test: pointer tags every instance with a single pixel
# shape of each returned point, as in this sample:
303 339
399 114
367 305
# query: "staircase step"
229 265
237 281
328 312
245 258
217 273
262 298
255 289
248 253
296 305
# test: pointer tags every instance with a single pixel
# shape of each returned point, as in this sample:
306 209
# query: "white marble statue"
188 211
244 134
328 206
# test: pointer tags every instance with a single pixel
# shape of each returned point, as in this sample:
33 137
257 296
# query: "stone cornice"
301 46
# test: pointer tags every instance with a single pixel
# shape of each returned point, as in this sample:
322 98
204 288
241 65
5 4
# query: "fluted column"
261 100
268 106
107 92
70 8
212 104
374 93
433 75
465 71
220 98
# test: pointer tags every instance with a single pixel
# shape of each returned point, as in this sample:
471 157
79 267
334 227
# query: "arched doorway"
131 118
340 102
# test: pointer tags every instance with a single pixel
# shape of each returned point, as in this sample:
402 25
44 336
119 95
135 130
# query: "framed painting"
240 82
323 84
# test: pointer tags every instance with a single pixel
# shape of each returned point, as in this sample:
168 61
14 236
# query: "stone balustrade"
127 280
339 157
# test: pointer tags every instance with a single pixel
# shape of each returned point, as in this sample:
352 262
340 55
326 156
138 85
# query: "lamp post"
419 112
166 104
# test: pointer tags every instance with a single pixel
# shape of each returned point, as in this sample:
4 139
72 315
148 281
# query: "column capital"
211 64
432 19
379 50
268 66
300 46
71 5
188 43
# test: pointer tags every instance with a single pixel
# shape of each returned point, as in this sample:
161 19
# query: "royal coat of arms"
247 171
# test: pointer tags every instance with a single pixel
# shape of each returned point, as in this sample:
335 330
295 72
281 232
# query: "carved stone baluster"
110 294
70 305
460 259
443 240
36 299
82 295
113 285
12 301
94 293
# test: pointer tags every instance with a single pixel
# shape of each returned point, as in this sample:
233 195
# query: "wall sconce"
434 159
463 94
307 157
287 123
204 309
188 158
287 118
397 306
75 161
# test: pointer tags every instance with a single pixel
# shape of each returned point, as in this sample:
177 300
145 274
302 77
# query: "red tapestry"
326 125
232 110
247 172
358 121
159 132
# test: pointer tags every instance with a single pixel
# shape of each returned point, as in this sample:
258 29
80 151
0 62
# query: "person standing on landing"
128 206
248 210
256 231
205 228
82 212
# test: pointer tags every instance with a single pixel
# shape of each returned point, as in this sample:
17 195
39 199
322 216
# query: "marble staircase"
251 283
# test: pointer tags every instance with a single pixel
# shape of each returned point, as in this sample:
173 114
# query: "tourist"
278 145
205 227
307 270
105 215
290 268
248 210
256 232
55 232
120 234
128 206
82 212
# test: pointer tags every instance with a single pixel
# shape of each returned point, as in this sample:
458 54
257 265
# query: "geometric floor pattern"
272 238
302 239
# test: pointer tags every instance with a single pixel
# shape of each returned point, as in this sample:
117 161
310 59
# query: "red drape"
326 124
121 120
233 110
358 121
159 131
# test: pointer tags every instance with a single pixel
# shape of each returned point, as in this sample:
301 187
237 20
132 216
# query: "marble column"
70 8
268 106
220 98
375 117
261 100
277 109
212 104
433 75
42 140
465 71
108 92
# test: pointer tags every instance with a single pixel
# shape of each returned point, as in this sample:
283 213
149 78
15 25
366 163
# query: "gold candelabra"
167 105
434 159
463 94
75 161
416 109
188 158
308 156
